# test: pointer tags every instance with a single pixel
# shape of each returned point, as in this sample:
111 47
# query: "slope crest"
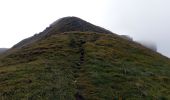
66 24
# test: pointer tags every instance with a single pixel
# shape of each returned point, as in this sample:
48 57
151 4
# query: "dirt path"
78 67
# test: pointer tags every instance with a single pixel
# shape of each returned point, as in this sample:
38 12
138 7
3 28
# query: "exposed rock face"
68 24
65 24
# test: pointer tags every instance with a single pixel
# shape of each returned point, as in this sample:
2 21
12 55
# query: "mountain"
82 64
2 50
66 24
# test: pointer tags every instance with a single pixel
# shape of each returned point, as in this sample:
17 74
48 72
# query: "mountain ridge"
65 24
84 65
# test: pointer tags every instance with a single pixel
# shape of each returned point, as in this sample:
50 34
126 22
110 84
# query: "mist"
144 20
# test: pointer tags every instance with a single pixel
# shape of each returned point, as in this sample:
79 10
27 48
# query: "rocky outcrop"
127 37
66 24
149 45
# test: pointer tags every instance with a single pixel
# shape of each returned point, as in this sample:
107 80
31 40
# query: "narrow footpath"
78 67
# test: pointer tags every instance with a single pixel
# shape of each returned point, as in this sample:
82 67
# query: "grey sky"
141 19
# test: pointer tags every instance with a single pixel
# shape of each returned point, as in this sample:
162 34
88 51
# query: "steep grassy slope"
84 66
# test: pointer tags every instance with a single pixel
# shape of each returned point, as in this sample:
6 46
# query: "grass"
113 68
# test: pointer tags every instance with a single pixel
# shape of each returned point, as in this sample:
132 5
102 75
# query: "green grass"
113 68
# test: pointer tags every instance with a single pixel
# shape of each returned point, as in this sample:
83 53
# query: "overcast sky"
147 20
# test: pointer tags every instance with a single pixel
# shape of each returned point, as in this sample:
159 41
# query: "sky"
144 20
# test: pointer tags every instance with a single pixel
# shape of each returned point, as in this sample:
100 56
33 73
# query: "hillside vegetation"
84 66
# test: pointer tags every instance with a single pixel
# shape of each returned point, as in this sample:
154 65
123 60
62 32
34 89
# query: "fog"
144 20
